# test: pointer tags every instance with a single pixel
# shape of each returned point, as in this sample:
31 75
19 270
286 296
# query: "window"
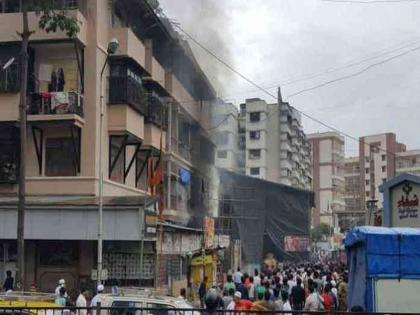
383 168
9 79
367 181
383 157
367 193
125 308
60 157
222 138
9 154
116 158
383 180
160 309
71 4
9 6
255 116
255 135
367 171
222 154
254 154
255 171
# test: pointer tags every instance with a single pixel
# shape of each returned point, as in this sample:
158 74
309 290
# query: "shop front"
62 243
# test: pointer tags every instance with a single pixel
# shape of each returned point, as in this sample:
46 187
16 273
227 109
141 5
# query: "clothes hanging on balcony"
57 81
60 80
59 102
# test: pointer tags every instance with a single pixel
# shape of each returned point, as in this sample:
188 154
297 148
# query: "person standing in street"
314 302
97 298
183 294
61 284
229 284
61 299
257 279
8 282
202 290
81 302
237 277
286 304
342 293
298 295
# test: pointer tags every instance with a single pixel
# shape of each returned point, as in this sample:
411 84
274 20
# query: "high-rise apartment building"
377 154
272 143
354 208
151 98
328 176
225 124
352 184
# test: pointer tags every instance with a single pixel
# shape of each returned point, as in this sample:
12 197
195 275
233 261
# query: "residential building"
275 146
377 164
154 114
328 176
354 208
225 129
407 162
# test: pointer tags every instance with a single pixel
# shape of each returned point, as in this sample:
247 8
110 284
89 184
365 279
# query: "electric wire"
328 126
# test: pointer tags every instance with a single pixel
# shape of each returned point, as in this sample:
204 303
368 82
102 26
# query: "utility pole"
20 266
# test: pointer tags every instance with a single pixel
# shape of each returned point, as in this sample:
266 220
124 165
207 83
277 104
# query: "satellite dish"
8 63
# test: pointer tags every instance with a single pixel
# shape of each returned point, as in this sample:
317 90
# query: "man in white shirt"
81 302
286 304
97 298
257 279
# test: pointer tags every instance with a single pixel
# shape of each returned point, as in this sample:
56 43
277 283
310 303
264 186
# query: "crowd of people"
289 288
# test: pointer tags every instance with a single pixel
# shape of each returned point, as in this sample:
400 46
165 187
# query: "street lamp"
112 49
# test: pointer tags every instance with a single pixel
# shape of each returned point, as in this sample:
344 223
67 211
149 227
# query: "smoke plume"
209 22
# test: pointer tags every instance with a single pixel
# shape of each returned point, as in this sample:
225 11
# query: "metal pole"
101 176
143 224
20 277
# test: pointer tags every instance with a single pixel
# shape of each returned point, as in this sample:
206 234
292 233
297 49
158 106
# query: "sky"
371 52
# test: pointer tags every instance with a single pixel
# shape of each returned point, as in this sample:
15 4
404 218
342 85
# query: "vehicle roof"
109 298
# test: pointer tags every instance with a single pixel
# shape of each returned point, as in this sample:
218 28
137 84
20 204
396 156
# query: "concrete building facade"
272 143
328 177
407 162
225 135
377 164
154 115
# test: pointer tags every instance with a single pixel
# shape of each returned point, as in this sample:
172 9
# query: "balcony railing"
156 111
56 103
126 90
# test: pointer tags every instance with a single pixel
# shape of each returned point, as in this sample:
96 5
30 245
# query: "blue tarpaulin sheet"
379 252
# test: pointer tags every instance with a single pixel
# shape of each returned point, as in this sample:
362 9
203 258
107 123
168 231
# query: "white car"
134 304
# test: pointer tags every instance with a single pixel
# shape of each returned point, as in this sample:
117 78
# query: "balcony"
56 106
156 111
130 45
11 24
127 90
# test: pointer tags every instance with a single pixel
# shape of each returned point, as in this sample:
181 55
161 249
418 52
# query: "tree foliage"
53 16
320 232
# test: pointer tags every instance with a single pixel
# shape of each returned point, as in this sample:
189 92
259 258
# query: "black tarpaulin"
262 213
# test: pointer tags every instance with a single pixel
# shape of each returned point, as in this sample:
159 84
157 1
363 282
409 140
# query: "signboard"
405 205
94 274
297 244
223 240
150 223
209 232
